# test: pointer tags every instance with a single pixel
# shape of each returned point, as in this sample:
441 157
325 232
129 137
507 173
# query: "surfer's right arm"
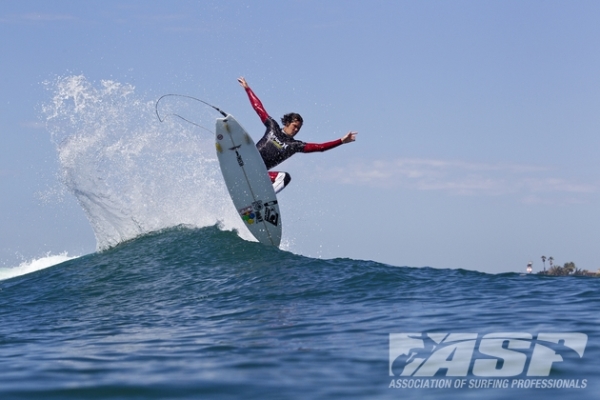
254 101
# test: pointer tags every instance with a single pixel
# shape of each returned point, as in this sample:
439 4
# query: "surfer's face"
292 128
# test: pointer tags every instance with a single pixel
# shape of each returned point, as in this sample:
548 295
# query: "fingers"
349 137
242 82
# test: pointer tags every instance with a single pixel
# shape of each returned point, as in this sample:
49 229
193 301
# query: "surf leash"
223 113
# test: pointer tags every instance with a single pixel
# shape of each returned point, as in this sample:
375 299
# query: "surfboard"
247 181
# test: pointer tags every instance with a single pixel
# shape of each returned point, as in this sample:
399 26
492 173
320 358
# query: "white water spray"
37 264
132 174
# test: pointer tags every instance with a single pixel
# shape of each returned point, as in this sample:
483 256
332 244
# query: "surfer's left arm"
312 147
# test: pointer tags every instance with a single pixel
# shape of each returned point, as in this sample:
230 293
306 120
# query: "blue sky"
478 121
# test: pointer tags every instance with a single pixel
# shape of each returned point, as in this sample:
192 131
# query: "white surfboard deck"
248 182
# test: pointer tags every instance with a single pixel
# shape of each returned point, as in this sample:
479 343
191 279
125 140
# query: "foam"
27 267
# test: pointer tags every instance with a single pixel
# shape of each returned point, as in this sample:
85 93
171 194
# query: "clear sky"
478 121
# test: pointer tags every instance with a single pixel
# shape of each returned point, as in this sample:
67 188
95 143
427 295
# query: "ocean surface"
190 313
178 303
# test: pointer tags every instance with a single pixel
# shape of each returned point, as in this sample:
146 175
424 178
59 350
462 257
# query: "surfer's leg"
279 179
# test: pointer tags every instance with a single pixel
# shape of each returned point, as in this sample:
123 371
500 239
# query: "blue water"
201 313
177 303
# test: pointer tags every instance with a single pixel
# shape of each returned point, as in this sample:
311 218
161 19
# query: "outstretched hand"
243 82
349 137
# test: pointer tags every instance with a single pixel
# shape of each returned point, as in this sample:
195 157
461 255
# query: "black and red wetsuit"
275 146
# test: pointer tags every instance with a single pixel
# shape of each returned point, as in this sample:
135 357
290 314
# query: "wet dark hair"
291 117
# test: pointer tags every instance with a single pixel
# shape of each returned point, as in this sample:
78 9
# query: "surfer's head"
292 122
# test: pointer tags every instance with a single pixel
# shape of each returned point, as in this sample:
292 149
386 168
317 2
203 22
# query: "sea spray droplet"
130 173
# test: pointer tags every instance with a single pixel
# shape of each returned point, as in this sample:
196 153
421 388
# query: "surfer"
277 144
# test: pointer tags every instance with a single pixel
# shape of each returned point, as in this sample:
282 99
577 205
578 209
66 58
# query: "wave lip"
27 267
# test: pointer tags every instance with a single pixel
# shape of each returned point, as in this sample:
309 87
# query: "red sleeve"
257 105
312 147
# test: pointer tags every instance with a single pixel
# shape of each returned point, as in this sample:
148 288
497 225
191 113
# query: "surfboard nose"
223 124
